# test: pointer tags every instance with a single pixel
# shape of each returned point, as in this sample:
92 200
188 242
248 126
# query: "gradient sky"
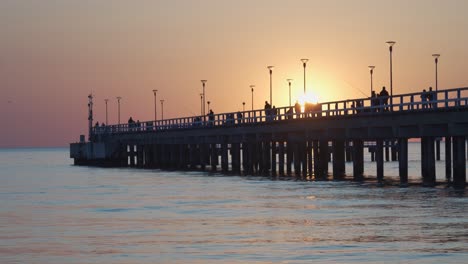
54 53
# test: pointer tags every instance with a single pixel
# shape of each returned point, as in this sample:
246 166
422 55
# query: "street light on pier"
208 105
162 109
252 89
107 122
201 104
436 59
390 48
118 104
304 64
204 96
243 106
371 69
271 85
289 82
155 108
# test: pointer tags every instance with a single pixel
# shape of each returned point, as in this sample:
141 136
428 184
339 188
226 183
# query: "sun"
308 97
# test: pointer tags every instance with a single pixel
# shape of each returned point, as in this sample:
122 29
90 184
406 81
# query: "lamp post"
390 48
436 59
208 105
155 111
201 104
289 82
118 103
252 89
304 64
270 68
107 122
162 109
204 96
243 106
371 69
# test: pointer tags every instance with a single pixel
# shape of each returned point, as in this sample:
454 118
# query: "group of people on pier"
428 99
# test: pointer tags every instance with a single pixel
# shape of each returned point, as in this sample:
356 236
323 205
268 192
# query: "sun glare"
309 97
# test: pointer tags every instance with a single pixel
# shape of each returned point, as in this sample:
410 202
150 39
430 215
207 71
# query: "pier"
302 144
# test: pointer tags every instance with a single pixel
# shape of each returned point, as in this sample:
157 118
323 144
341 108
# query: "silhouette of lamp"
436 59
270 68
243 106
252 89
371 69
106 100
304 64
162 109
204 95
155 108
289 82
390 48
118 104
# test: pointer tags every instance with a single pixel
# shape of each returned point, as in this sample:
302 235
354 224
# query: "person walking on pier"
211 118
297 109
384 98
431 98
424 99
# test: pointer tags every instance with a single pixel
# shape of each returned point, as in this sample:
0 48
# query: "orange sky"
53 53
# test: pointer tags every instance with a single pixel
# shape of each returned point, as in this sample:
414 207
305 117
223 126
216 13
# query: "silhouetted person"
297 109
239 117
384 98
210 118
431 98
273 113
424 99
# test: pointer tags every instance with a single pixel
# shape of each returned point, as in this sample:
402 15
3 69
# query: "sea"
54 212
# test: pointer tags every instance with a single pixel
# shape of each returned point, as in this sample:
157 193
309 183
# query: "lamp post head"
252 87
106 100
203 82
436 57
289 80
304 61
371 68
270 68
390 44
118 98
155 91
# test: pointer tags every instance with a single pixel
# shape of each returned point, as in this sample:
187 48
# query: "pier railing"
411 102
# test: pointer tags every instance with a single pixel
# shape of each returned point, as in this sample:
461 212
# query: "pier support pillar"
428 161
387 150
303 157
297 160
358 159
281 158
459 162
266 152
203 155
214 157
235 160
273 158
183 156
403 160
437 150
224 157
448 159
309 158
289 157
394 151
323 159
338 159
192 156
349 155
379 160
315 151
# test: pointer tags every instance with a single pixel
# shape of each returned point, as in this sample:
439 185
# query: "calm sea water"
53 212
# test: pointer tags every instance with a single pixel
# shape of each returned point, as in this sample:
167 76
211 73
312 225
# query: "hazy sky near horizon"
54 53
